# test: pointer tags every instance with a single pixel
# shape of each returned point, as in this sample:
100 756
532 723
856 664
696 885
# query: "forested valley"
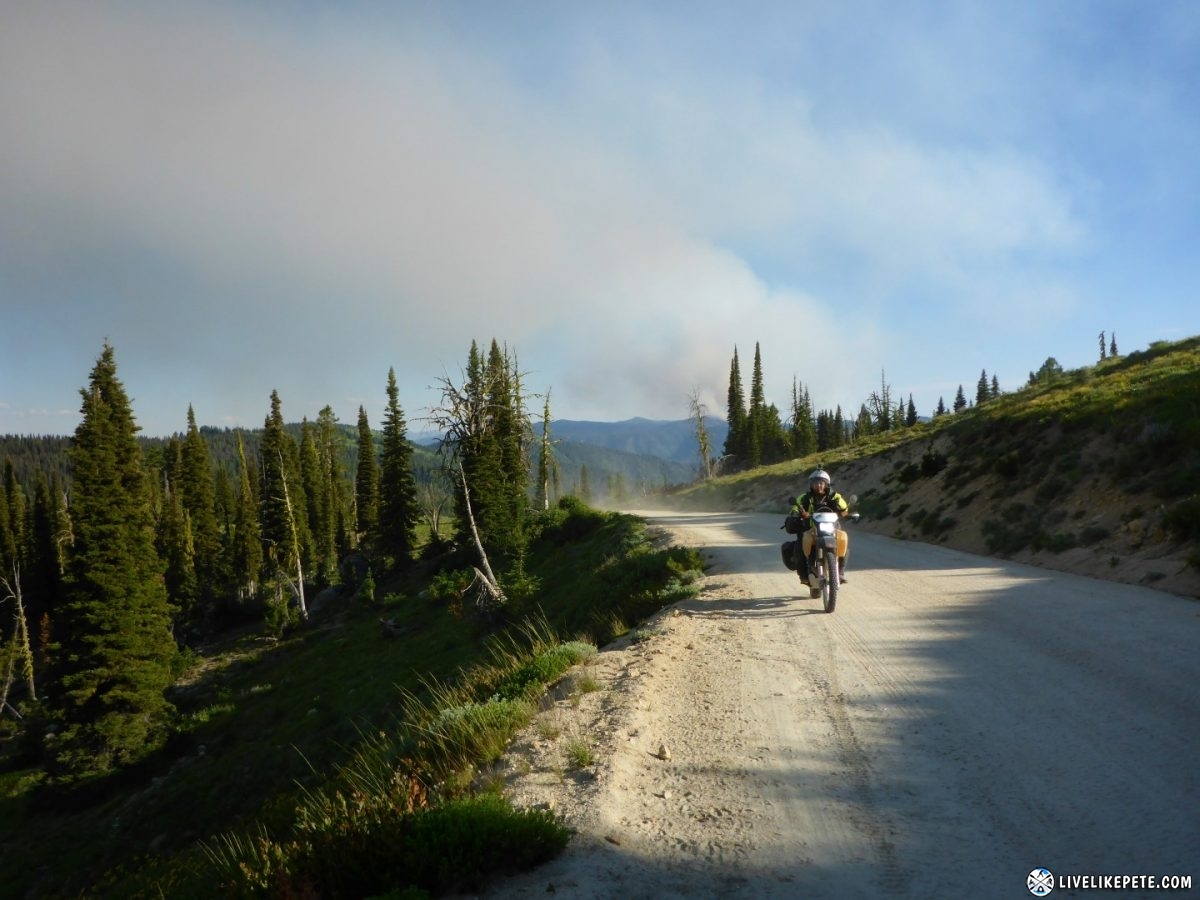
246 662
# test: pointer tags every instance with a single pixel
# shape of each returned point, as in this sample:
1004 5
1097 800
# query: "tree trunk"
489 584
299 587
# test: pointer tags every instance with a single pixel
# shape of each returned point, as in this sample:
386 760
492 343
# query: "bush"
1003 540
1008 465
474 731
1055 543
1183 519
449 587
362 846
568 521
532 678
932 463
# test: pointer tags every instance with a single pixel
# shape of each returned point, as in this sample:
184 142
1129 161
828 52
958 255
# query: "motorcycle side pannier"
788 551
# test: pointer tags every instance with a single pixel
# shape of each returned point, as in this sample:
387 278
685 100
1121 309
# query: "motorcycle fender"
843 543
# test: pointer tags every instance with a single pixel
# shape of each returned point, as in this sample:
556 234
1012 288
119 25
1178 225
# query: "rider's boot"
842 569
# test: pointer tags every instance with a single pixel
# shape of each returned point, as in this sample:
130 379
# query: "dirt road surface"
957 723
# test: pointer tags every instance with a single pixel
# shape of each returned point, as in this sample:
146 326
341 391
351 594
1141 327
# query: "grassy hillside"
1096 473
305 765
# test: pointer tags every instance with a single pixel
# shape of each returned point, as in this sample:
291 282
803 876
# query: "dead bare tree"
879 404
296 586
432 498
461 418
19 645
547 465
698 413
490 592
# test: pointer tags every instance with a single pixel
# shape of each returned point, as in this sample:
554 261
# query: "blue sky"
248 197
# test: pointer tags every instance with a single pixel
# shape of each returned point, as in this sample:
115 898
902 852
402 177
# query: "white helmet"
819 475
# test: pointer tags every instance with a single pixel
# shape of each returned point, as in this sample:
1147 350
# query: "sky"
248 197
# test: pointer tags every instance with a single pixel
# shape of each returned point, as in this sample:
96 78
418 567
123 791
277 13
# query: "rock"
663 752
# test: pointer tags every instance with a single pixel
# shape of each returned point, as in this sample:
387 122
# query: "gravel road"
958 722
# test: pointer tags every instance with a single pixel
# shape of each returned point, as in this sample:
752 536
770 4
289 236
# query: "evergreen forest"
271 663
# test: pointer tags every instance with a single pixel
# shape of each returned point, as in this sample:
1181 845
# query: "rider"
821 493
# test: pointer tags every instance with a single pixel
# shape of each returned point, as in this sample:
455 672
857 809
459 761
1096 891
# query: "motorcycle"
822 541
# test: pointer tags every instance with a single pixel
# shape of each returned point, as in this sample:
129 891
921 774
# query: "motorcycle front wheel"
830 581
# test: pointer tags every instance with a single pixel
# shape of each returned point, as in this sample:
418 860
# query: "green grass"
341 737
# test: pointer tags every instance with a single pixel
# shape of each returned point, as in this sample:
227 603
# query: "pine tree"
338 522
735 439
511 426
941 408
197 494
1049 372
756 425
545 460
49 532
995 387
398 509
960 399
774 438
366 483
176 547
864 425
283 515
983 390
1112 347
1103 348
113 663
910 418
17 652
316 493
804 435
247 554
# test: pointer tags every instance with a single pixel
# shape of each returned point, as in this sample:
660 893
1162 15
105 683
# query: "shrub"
958 475
568 521
966 499
1008 465
932 463
1055 543
449 587
473 731
579 754
531 678
1183 519
362 846
1003 540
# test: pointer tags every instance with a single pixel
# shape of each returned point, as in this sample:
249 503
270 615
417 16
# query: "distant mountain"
613 475
669 440
627 457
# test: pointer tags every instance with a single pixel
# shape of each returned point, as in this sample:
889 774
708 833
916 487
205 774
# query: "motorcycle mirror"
854 498
791 501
